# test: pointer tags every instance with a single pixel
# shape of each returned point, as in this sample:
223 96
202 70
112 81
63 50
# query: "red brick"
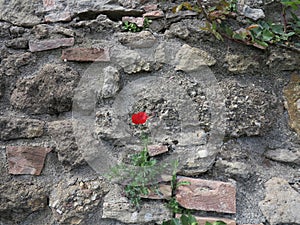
86 54
163 192
203 220
154 14
38 46
157 149
57 17
207 195
26 159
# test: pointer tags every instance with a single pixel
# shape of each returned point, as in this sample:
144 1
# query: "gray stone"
17 43
61 133
239 169
284 155
116 206
16 128
130 60
283 60
19 12
111 82
38 46
240 63
142 39
71 203
252 13
2 85
281 204
18 199
11 64
49 91
102 22
178 30
192 59
251 109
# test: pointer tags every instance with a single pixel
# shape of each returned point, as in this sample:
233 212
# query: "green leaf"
207 223
267 35
219 223
277 28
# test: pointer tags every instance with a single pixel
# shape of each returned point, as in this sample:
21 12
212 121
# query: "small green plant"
133 27
215 223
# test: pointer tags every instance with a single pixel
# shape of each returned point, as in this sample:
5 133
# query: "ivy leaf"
277 28
219 223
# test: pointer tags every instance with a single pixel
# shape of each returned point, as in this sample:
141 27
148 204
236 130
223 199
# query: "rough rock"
250 109
142 39
130 60
2 86
206 195
116 206
102 22
240 63
71 203
281 204
18 43
49 91
233 168
252 13
16 128
19 12
284 155
18 199
11 64
192 59
179 30
292 96
62 134
281 60
26 159
111 82
38 46
86 55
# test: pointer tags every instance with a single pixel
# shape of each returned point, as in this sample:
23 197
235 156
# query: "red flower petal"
139 118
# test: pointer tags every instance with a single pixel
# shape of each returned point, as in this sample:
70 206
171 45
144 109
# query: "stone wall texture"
70 79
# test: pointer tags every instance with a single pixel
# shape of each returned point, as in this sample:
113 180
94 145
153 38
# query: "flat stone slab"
38 46
203 220
86 54
57 17
26 159
207 195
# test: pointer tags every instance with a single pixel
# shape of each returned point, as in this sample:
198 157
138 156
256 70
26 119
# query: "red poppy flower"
139 118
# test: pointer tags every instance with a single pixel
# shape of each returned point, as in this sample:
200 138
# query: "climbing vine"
259 34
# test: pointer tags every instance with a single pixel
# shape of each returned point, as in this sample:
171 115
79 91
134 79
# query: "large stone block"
16 128
49 91
281 204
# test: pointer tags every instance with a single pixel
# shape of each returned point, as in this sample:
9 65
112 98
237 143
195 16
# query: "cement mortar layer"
70 79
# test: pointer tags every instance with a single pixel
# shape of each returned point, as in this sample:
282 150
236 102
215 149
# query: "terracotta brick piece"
86 54
207 195
26 159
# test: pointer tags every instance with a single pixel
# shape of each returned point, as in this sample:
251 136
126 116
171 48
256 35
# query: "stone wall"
70 79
